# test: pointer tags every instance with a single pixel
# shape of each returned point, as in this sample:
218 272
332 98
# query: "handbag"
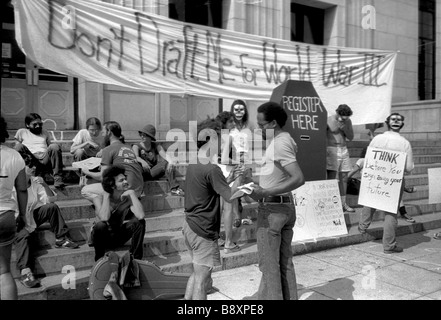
353 186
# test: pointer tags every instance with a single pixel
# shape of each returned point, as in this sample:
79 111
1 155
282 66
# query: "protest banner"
319 211
434 185
382 178
111 44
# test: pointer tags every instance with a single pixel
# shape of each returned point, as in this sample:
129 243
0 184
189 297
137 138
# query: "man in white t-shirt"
280 174
35 141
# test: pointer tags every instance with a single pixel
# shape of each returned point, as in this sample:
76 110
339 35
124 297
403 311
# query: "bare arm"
136 207
295 180
102 206
347 129
21 189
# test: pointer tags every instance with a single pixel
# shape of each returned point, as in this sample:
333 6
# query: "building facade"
410 27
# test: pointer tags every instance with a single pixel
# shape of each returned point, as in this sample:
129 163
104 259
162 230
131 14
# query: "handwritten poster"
319 211
434 185
382 179
107 43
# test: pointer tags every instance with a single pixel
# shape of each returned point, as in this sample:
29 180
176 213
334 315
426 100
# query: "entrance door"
26 87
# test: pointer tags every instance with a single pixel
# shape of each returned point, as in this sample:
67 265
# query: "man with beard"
34 141
119 214
115 153
389 140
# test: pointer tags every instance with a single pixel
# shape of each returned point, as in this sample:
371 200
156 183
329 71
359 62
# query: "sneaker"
66 243
347 208
177 192
395 249
58 181
408 218
29 281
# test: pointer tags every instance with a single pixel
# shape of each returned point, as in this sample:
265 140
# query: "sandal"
437 236
231 250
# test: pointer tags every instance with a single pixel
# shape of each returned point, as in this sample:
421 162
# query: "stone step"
422 168
55 287
163 230
156 187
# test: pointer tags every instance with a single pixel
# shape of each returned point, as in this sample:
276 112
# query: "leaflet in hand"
242 190
89 163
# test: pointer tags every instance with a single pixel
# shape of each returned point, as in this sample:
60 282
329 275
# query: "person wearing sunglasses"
35 141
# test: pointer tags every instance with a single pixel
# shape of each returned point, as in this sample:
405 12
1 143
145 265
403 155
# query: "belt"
276 199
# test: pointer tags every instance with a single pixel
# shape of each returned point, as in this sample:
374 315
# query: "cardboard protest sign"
307 123
319 211
434 185
382 179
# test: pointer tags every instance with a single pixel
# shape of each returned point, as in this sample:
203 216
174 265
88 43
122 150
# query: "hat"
149 130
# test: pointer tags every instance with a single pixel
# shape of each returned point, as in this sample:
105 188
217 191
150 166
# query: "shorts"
203 252
7 228
337 159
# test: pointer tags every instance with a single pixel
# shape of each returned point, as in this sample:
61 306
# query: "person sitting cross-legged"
120 215
41 208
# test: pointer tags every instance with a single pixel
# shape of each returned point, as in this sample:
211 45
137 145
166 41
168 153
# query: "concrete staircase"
65 273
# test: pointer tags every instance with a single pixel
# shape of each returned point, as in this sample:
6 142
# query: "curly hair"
344 110
208 124
273 111
223 118
109 176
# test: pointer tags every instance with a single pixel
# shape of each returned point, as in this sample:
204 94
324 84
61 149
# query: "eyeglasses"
36 124
396 119
262 125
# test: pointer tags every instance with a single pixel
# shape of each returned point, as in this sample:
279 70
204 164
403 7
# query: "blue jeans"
275 223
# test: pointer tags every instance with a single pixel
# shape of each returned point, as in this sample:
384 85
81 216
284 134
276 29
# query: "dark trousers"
107 237
51 163
160 170
25 241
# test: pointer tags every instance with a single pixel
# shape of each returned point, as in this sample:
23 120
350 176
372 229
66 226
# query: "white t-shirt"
11 163
280 152
37 197
83 135
37 144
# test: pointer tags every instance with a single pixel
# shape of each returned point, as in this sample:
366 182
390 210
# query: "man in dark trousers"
120 215
279 175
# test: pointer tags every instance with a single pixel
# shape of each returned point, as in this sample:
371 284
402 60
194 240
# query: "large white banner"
382 178
111 44
319 211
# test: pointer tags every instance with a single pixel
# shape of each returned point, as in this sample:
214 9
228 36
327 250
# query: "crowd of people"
116 191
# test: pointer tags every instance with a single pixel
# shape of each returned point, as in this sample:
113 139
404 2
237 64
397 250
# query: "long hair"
245 116
115 128
31 117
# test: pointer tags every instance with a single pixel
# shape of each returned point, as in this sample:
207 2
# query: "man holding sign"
393 141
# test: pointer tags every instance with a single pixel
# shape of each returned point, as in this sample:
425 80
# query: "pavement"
355 272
